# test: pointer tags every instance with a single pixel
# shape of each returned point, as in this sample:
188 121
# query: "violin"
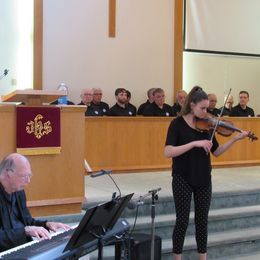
224 127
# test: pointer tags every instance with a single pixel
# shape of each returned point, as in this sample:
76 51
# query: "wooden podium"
57 186
32 97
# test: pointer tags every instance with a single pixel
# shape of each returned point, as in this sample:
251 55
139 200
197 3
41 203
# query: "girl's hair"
196 95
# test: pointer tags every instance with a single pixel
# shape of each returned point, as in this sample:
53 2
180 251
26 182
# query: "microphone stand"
114 197
154 198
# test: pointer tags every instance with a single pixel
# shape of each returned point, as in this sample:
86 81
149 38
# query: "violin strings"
220 115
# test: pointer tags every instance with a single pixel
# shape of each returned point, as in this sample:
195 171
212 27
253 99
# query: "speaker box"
141 247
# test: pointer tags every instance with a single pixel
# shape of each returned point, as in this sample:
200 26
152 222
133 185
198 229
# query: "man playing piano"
17 226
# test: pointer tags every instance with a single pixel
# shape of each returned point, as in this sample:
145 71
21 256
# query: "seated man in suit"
158 107
17 226
242 109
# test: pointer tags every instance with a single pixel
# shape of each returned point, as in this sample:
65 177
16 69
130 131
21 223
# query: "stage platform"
234 219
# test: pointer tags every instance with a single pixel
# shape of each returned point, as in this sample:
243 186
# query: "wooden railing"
137 144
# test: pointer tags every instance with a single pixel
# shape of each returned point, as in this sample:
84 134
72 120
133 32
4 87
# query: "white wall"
16 52
9 44
78 51
217 73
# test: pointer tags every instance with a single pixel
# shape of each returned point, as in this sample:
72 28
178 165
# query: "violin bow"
220 115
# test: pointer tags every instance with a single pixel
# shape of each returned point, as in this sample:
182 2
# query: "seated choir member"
228 106
128 104
158 107
212 105
86 99
17 226
100 108
121 108
242 109
150 100
180 99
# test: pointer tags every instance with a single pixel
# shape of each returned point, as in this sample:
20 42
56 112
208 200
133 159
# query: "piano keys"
54 248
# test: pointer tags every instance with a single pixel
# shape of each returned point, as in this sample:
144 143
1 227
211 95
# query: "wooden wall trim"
112 18
38 44
178 47
53 202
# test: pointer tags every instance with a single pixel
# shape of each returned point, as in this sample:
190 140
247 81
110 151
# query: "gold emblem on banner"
38 128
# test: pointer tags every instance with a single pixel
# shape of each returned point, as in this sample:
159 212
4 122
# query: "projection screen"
222 26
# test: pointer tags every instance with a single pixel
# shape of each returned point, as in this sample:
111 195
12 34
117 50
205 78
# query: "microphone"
154 191
132 204
4 74
135 203
107 172
100 173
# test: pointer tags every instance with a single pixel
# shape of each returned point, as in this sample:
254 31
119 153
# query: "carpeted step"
219 220
219 200
220 244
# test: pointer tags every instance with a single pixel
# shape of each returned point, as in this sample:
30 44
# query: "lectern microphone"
100 173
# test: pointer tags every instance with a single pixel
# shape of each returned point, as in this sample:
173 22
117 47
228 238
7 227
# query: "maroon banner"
38 130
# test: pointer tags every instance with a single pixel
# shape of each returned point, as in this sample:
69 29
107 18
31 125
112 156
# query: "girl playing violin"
191 170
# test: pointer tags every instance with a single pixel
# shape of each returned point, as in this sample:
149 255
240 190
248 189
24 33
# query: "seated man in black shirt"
17 226
242 109
100 108
150 100
180 99
228 106
212 105
86 99
158 107
121 108
128 104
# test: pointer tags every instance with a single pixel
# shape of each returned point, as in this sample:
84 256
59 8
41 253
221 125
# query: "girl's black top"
194 165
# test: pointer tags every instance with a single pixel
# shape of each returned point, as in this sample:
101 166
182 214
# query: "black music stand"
96 229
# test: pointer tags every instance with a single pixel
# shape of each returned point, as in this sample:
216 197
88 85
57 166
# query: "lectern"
57 186
32 97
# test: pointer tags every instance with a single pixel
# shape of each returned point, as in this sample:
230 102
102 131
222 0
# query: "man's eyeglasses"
25 177
22 177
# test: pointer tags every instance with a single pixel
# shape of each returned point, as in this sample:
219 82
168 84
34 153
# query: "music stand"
95 228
